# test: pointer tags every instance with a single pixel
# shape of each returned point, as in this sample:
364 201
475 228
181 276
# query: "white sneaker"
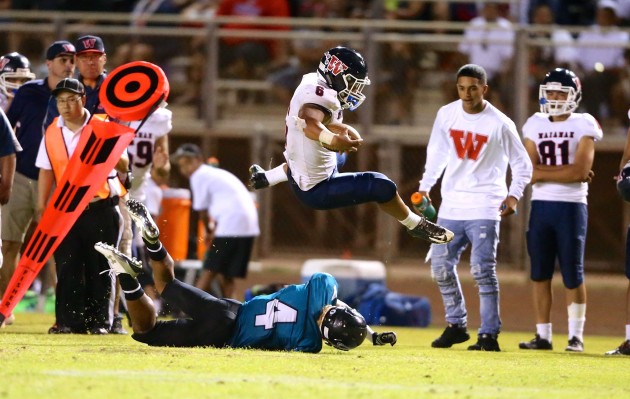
143 220
8 321
119 262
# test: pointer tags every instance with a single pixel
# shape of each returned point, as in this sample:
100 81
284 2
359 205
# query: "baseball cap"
187 150
59 48
69 84
90 43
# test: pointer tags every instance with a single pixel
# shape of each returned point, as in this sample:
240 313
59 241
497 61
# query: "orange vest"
59 157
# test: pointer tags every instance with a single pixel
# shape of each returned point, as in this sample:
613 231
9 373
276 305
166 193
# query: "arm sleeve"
7 138
520 164
42 160
438 151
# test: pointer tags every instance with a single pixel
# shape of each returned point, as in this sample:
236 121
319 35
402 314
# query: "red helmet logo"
3 63
335 65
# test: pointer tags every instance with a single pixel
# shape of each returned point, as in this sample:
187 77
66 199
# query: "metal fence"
241 120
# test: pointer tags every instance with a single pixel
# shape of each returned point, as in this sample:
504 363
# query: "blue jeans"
483 235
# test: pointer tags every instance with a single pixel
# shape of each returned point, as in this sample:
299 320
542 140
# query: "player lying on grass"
296 318
313 143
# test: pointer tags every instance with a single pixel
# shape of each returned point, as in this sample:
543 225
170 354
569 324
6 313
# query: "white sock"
627 332
577 317
544 331
276 175
411 220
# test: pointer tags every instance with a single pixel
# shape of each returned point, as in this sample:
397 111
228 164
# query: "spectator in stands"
488 42
248 58
601 59
229 217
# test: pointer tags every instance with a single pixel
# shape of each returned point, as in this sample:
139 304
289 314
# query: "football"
341 129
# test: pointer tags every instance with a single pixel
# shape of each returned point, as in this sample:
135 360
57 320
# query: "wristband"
326 136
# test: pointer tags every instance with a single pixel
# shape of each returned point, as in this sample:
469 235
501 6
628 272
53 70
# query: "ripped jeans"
483 235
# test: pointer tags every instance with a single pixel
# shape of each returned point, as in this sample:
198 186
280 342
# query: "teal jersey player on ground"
287 319
296 318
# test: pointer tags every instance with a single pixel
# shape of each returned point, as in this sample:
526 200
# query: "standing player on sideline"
312 170
295 318
472 143
15 70
561 145
27 116
623 185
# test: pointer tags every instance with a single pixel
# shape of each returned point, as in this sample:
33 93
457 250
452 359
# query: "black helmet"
343 328
564 80
16 67
345 71
623 183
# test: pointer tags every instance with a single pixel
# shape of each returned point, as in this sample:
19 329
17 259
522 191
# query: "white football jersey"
557 143
142 147
473 151
310 163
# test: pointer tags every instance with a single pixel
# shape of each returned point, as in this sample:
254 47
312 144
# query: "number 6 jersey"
287 319
557 143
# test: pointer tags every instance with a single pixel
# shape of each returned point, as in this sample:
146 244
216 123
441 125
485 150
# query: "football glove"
388 337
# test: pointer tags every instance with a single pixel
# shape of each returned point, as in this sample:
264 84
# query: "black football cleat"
257 178
575 345
431 232
536 343
623 349
143 220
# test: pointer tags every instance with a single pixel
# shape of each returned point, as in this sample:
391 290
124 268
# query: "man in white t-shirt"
229 216
472 143
561 145
314 154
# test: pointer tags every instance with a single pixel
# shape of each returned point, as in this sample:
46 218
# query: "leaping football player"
314 153
561 145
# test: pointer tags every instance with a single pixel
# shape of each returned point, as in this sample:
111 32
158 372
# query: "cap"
59 48
187 150
69 84
90 43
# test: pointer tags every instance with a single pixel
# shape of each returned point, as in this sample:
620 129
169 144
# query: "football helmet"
345 71
15 70
343 328
623 182
563 80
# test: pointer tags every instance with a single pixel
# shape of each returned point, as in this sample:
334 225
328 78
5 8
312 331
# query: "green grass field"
37 365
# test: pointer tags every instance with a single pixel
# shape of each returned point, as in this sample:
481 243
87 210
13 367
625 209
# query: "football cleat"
575 345
119 262
431 232
453 334
536 343
486 342
623 349
257 178
143 220
117 327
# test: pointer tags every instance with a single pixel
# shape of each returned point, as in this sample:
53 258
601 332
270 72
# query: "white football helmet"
15 70
562 80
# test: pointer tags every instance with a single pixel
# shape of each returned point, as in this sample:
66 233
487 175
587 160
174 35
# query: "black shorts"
229 256
211 321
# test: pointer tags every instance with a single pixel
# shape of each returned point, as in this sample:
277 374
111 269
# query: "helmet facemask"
558 107
8 88
352 96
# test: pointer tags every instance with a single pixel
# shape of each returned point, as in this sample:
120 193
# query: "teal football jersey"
287 319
